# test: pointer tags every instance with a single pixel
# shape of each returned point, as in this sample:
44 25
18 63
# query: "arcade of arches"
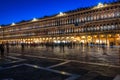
85 39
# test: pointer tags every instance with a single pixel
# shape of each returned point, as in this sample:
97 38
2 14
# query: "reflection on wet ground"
94 54
36 67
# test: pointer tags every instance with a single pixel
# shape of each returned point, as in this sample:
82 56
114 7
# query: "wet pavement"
40 62
77 63
9 61
24 72
41 68
94 54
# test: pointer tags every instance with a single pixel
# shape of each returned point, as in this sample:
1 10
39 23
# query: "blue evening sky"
18 10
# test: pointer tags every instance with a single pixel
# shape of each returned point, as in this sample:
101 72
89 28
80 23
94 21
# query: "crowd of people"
4 47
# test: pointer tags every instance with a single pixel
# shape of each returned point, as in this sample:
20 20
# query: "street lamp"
100 5
13 24
61 14
34 19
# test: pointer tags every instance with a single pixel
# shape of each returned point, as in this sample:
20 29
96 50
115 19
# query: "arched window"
105 15
108 27
98 28
113 26
102 16
91 29
95 17
116 25
98 17
117 13
82 29
91 17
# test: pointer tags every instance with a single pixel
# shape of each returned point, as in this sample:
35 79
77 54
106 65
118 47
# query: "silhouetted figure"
87 44
52 46
7 48
111 44
22 48
2 50
103 48
63 46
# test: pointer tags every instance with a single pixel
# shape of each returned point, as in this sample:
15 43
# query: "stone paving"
25 72
41 68
78 63
9 61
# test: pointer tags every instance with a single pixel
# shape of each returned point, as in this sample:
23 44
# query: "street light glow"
34 19
100 5
61 14
13 24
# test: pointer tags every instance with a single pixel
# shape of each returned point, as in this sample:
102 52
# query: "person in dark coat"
22 48
2 50
104 49
7 48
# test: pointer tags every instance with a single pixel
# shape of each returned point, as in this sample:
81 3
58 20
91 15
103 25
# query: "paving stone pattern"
60 70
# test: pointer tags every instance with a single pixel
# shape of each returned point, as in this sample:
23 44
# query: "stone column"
106 39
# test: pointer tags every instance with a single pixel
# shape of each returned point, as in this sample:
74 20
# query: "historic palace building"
98 24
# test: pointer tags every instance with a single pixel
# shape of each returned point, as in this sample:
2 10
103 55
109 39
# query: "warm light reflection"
95 36
83 37
62 72
75 40
72 37
119 36
67 37
35 66
58 37
89 38
102 35
82 41
109 35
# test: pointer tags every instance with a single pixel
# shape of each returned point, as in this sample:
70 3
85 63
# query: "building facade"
98 24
